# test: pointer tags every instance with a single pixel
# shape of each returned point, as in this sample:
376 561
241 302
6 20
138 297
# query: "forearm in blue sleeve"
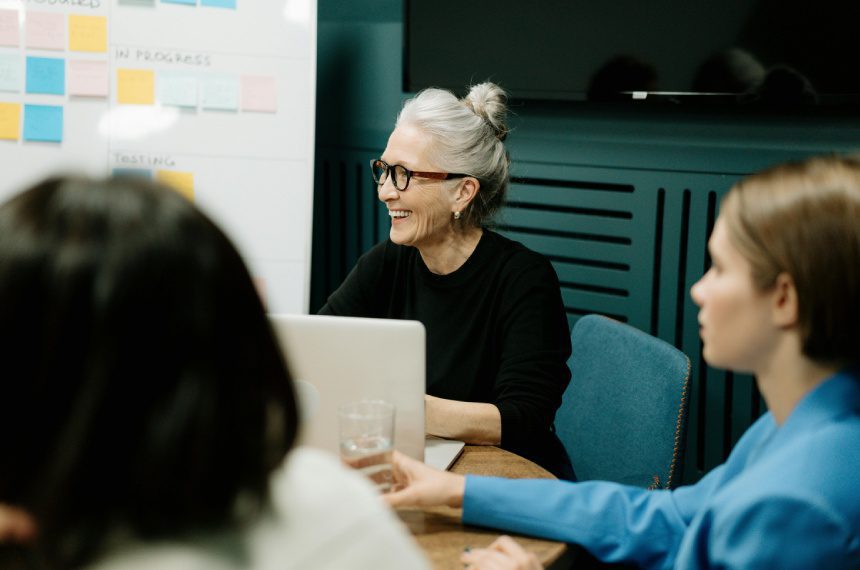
613 522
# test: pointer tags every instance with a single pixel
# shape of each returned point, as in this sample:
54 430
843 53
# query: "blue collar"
835 397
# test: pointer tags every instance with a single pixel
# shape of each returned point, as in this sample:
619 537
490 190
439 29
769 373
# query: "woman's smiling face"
420 215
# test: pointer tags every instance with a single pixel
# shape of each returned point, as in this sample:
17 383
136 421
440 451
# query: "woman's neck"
450 253
787 377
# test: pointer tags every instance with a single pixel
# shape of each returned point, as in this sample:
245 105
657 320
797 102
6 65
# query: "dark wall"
621 200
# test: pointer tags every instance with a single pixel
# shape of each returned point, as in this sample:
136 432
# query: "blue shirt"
787 497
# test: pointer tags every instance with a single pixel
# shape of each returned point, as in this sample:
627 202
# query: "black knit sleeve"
535 347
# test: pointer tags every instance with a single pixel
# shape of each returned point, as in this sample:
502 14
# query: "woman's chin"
721 361
398 236
710 358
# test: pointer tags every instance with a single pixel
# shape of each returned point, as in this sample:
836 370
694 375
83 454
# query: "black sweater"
496 332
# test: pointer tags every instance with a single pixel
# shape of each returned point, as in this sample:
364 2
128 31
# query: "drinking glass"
367 439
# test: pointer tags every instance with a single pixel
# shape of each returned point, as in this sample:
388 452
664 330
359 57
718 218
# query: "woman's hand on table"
503 554
417 485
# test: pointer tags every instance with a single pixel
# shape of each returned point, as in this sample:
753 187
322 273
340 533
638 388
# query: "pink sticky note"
87 78
45 30
9 34
258 94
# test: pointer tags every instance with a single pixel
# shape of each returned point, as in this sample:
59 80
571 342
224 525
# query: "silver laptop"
335 360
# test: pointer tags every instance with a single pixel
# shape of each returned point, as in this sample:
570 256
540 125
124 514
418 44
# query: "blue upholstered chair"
623 415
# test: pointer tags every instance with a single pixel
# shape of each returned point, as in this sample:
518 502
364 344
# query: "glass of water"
367 439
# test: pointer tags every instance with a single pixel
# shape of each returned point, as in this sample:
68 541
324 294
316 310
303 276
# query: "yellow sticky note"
10 121
135 86
87 33
182 182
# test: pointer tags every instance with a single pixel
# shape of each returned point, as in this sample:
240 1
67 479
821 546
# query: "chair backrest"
624 413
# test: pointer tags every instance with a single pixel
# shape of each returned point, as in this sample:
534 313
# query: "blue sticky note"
133 173
10 72
43 123
219 92
177 88
219 3
188 2
46 75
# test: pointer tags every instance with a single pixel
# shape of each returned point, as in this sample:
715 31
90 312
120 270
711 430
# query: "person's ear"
785 307
467 190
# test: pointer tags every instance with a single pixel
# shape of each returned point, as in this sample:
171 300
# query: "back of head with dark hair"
143 389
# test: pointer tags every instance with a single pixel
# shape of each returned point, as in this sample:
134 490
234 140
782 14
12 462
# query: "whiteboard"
215 97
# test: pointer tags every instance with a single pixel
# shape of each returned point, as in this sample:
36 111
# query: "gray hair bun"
490 102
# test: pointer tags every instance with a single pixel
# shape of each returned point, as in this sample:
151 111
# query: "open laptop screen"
335 360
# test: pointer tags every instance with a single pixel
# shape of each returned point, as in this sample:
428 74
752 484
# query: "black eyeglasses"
403 175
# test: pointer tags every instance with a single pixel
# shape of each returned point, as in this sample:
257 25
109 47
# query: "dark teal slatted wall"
585 228
348 219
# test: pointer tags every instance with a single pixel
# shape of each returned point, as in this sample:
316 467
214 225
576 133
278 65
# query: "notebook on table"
335 360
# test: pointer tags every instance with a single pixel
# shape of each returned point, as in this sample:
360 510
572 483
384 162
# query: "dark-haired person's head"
143 392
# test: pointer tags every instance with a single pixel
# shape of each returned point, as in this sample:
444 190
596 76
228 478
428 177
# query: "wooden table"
442 535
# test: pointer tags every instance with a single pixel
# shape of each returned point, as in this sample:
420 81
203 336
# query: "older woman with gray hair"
497 335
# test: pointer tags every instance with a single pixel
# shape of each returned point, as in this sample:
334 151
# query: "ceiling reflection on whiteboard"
12 5
297 11
15 5
131 123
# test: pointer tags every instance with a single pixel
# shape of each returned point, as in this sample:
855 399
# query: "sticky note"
188 2
46 75
10 119
219 3
87 78
135 86
133 172
10 72
45 30
177 88
87 33
43 123
258 94
10 34
219 92
182 182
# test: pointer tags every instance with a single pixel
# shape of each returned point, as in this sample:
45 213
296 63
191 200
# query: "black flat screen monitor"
784 52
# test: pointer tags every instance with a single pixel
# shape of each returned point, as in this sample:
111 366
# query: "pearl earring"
457 215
